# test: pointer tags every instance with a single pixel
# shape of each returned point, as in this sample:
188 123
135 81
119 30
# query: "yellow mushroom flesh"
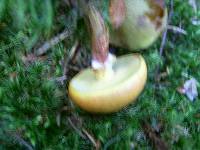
105 96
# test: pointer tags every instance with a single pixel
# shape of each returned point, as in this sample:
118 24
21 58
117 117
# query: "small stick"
76 129
159 144
71 55
177 29
21 141
93 141
112 141
164 37
65 64
52 42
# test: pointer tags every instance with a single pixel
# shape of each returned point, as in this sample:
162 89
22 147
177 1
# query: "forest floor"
36 112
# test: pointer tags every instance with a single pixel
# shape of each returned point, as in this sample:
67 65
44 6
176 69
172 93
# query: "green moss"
30 100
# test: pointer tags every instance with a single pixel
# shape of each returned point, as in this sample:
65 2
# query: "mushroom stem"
102 61
99 35
104 71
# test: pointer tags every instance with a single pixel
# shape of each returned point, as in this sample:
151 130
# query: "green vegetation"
35 111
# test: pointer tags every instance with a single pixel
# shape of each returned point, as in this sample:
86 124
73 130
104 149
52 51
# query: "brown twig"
112 141
70 57
176 29
20 140
67 59
79 132
83 133
52 42
154 138
164 37
95 143
71 3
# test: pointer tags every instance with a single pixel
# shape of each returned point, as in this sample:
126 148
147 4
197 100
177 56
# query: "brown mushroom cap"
112 94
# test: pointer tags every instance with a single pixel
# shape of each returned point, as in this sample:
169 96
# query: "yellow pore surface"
109 95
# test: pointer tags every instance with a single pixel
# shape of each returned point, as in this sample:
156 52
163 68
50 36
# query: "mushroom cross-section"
110 95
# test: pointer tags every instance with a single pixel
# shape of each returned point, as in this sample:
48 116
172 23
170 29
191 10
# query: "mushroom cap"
143 24
111 94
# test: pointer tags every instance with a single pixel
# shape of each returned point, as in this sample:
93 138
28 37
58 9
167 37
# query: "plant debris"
193 3
154 138
95 142
189 89
31 58
195 21
177 29
52 42
77 124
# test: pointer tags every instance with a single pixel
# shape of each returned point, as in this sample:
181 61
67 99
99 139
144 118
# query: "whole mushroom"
111 83
136 24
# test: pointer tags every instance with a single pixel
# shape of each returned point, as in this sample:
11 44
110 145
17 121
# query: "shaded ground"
35 111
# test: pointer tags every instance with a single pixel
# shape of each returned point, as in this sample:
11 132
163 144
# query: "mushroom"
111 83
138 23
